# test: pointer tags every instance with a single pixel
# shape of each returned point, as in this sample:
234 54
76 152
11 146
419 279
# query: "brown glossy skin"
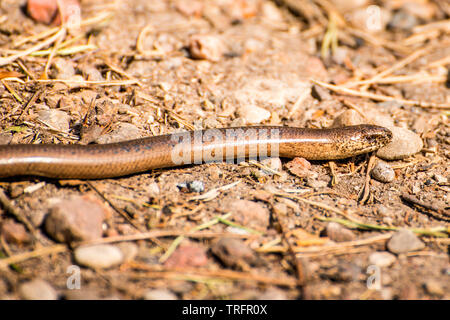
215 145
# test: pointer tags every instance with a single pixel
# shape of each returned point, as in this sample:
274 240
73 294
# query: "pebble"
48 11
434 288
206 47
129 250
64 68
79 218
98 256
382 259
404 144
370 19
249 214
348 118
315 184
14 232
152 189
5 137
37 289
192 186
338 233
55 119
383 172
87 96
404 241
272 163
440 178
403 20
234 252
124 131
301 168
379 118
253 114
271 12
91 73
187 256
320 93
159 294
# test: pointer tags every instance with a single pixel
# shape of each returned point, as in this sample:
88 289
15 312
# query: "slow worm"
97 161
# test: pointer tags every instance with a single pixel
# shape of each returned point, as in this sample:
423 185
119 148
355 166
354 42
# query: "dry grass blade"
4 263
379 97
174 273
211 194
7 60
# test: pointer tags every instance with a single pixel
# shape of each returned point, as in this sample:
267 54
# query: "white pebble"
404 143
383 172
37 289
99 256
382 259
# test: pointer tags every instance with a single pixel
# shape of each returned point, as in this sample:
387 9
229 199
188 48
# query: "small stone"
249 214
50 11
64 68
234 253
37 289
273 294
124 131
272 163
14 232
189 9
98 256
280 209
159 294
206 47
404 144
129 250
301 168
152 189
403 20
55 119
383 172
76 219
338 233
315 184
75 82
187 256
382 259
404 241
434 288
253 114
440 178
363 18
379 118
348 118
5 137
91 73
421 9
192 186
87 96
320 93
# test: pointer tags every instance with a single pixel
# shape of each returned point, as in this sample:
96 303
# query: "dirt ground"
143 68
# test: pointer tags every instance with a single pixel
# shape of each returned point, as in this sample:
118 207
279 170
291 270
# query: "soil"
253 54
